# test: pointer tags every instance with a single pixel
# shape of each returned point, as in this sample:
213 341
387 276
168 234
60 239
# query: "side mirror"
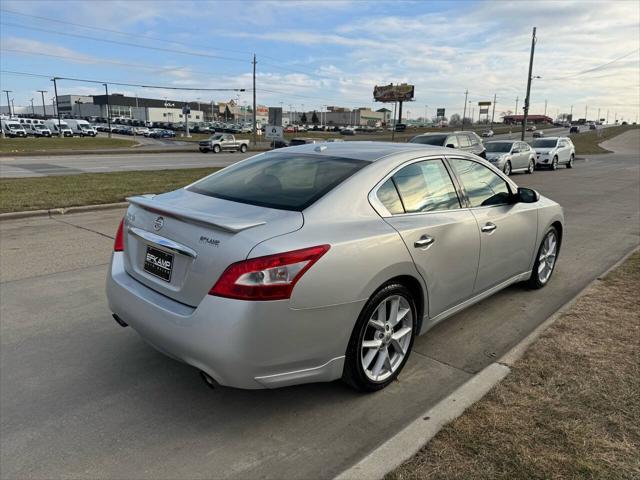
527 195
450 145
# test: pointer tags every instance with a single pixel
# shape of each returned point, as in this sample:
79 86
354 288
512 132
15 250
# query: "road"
82 397
37 166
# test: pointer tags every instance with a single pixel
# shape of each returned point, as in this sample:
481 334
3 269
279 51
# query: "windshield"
544 143
429 139
215 137
498 147
37 126
283 181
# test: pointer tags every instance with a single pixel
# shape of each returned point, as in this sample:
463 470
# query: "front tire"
507 168
570 162
216 149
545 259
554 163
382 339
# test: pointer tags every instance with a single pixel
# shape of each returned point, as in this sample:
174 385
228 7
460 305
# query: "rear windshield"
544 143
498 147
286 181
429 139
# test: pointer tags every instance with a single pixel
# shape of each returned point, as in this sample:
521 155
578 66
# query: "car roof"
366 150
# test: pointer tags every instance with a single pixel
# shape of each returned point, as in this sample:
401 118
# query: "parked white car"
554 151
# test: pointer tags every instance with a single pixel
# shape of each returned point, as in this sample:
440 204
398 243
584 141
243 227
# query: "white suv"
554 151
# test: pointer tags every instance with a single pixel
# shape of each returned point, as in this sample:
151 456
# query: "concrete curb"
406 443
62 211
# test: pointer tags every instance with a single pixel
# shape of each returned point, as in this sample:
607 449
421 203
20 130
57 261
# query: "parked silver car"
511 156
324 261
554 151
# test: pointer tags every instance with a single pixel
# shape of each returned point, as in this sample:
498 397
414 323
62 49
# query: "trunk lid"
199 236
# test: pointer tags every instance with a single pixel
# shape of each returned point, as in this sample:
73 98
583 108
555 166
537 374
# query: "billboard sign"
440 112
275 115
402 92
484 111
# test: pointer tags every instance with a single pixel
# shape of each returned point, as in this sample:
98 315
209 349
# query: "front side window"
426 187
453 141
484 188
279 180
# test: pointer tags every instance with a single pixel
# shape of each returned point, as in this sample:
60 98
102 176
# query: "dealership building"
337 116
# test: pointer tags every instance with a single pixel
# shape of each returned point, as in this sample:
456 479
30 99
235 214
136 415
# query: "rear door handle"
489 227
424 242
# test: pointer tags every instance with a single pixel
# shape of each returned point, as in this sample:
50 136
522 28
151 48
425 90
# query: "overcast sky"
316 53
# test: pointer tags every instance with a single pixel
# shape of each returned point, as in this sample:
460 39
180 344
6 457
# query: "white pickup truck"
223 141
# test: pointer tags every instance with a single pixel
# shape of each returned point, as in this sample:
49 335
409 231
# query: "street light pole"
55 89
44 106
106 91
464 111
529 78
33 110
8 101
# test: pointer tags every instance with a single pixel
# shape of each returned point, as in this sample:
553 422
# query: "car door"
507 230
451 142
563 151
464 142
441 236
226 142
522 157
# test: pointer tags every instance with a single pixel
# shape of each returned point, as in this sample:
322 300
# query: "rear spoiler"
232 225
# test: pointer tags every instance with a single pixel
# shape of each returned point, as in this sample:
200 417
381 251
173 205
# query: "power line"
102 82
599 67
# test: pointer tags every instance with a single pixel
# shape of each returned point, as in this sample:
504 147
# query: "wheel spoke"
382 312
393 314
377 324
387 359
372 343
377 368
368 358
541 268
401 333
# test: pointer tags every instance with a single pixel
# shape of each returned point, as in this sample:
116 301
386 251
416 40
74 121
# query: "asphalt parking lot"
80 397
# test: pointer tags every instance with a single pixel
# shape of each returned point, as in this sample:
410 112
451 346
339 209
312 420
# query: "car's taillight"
118 243
267 278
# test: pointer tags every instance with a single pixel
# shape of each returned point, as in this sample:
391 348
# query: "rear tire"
243 148
382 339
570 162
546 258
532 167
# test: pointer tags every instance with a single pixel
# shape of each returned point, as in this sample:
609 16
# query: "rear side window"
283 181
463 140
388 195
426 187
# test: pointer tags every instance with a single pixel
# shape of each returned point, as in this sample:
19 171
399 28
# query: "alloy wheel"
507 169
547 257
386 339
532 166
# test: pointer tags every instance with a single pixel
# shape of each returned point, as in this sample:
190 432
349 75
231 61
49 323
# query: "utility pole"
493 113
55 89
8 101
571 114
33 110
393 129
598 119
254 100
607 118
527 99
106 91
545 108
516 110
464 110
586 109
44 106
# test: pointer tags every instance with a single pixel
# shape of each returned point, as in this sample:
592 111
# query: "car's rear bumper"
240 344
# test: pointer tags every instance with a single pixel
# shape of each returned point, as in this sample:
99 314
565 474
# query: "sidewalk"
570 407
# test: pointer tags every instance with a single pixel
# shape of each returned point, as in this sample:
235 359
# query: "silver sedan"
320 262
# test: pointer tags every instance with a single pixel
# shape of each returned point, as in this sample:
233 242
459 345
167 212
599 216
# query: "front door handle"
489 227
425 242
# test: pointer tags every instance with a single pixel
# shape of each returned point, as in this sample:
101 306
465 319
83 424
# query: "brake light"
118 243
267 278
